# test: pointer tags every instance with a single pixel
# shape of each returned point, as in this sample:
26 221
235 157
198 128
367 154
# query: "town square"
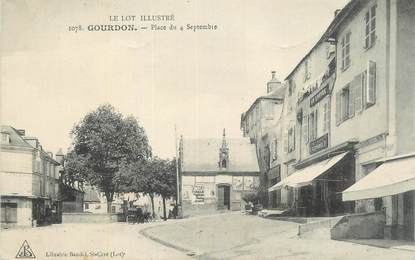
177 130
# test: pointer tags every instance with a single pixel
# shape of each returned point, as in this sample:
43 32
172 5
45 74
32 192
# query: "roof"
90 194
202 155
272 96
337 21
15 138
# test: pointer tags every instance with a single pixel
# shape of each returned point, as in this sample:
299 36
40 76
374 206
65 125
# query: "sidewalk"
384 243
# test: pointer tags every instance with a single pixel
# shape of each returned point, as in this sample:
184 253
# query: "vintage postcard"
194 129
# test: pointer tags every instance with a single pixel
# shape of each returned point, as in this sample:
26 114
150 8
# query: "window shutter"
286 142
305 128
338 108
293 137
357 82
315 124
364 87
325 115
351 99
371 83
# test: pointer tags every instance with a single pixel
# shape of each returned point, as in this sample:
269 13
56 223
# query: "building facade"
258 123
348 114
29 181
216 173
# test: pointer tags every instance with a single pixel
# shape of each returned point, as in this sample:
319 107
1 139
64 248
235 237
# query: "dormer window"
5 138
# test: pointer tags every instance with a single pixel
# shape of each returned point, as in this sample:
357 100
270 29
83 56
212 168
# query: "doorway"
224 196
408 215
8 212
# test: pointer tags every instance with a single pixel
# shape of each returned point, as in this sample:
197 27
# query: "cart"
132 215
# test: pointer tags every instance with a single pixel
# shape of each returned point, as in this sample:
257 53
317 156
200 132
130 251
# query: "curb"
165 243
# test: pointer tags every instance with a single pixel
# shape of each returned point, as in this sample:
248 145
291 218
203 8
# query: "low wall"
360 226
91 218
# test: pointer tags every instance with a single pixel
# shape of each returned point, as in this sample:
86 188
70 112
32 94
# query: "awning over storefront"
305 176
392 177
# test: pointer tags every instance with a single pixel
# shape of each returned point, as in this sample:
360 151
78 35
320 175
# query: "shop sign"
319 144
319 95
198 193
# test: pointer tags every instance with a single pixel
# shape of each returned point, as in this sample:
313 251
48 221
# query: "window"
274 149
223 163
86 206
345 103
345 43
291 139
305 128
269 110
313 125
326 124
370 27
345 100
291 87
307 69
371 84
5 138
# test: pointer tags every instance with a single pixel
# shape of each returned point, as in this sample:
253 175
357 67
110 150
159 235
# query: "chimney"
60 156
21 132
337 12
274 83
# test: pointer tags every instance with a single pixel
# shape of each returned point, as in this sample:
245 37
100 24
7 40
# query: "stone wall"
91 218
360 226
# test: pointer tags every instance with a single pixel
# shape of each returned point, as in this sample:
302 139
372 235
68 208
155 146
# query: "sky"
200 82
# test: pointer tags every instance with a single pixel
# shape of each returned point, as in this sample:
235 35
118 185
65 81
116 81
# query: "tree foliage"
103 141
154 176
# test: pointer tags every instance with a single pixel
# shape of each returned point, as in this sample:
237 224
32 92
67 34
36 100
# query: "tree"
155 176
103 141
165 181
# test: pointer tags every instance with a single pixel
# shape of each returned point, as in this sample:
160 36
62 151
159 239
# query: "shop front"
317 187
394 183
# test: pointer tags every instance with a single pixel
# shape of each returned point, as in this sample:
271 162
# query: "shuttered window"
358 92
291 139
305 128
371 84
338 108
326 123
351 100
285 140
345 102
370 27
345 43
275 149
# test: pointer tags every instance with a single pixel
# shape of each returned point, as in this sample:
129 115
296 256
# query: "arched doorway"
224 196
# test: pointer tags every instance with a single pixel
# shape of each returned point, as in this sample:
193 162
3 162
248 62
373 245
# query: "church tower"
224 153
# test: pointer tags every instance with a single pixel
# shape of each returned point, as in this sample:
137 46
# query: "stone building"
257 124
216 173
29 180
347 125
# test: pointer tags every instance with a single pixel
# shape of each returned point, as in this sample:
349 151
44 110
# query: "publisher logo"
25 251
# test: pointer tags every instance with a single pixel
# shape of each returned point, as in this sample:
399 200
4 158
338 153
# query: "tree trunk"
109 196
164 208
152 204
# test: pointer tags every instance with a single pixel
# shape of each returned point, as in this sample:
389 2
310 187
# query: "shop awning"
305 176
392 177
